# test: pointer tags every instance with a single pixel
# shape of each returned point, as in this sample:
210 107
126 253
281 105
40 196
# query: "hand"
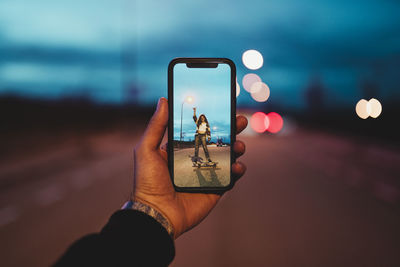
152 182
209 139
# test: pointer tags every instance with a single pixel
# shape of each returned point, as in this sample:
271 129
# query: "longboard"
205 164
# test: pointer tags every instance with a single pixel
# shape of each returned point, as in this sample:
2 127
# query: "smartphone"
202 123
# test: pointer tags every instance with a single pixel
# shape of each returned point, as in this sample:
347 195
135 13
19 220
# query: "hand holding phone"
152 182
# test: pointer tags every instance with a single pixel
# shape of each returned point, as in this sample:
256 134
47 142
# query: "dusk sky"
100 49
209 90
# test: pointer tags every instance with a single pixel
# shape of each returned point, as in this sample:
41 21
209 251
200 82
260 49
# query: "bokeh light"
261 93
266 122
252 59
361 109
256 87
248 80
375 107
275 122
237 88
368 107
257 122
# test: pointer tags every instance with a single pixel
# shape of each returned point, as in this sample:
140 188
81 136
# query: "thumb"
155 130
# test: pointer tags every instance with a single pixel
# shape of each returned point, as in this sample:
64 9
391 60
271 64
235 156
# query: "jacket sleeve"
195 118
130 238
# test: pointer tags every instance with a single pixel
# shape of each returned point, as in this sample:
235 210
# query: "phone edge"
172 63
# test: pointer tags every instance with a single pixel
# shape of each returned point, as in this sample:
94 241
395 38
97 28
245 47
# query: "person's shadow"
214 182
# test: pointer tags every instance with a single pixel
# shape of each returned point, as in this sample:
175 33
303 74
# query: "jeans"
201 138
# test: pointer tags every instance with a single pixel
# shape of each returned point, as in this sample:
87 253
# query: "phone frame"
200 61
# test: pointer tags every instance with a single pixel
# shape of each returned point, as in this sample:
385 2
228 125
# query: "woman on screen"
202 134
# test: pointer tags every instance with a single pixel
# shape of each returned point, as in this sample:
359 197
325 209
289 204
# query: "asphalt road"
307 199
188 176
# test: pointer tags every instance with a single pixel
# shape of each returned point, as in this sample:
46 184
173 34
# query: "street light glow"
189 99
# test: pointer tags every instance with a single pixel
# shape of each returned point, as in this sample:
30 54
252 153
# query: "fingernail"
160 100
159 103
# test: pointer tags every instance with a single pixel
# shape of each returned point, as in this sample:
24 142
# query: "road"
188 176
307 199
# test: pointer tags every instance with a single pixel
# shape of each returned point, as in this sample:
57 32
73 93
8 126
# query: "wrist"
152 212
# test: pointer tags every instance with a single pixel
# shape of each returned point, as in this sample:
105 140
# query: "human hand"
152 182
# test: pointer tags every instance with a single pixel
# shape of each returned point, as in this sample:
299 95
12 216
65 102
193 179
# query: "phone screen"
202 125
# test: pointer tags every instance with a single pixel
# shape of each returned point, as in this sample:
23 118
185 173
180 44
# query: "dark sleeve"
130 238
195 118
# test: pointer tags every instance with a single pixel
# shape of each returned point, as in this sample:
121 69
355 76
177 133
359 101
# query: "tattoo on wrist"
136 205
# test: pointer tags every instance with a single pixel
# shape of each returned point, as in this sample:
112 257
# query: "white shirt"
202 128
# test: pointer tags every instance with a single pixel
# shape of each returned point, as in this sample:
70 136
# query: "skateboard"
198 162
205 164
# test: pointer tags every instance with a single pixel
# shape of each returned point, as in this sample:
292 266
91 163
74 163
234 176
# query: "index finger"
241 123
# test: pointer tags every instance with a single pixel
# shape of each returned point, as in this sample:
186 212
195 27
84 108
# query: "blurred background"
80 79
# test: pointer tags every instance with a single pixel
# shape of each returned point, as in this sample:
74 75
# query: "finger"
241 123
238 169
157 125
239 148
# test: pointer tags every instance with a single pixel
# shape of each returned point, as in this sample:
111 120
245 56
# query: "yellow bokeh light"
375 108
362 109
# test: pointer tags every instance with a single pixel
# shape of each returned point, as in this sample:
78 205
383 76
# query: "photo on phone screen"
202 116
